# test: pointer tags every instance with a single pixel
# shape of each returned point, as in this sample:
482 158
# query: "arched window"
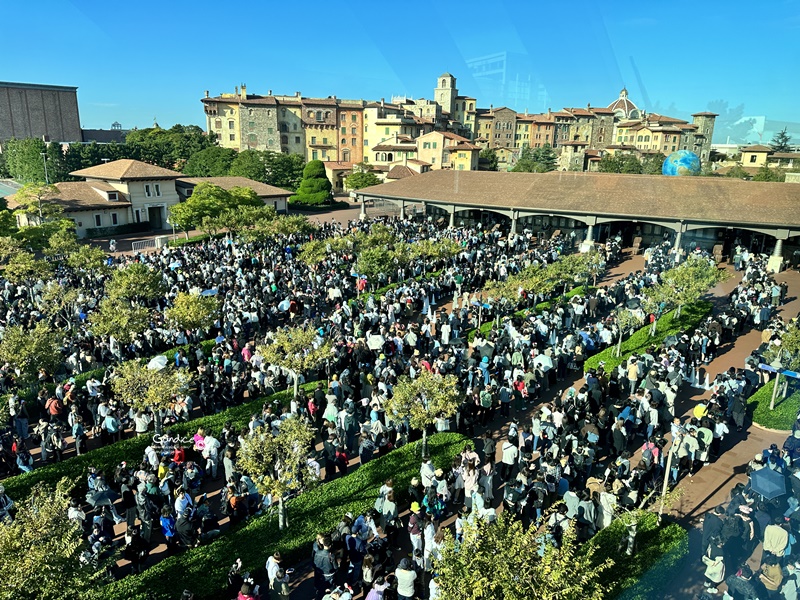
311 114
344 142
383 155
463 106
284 139
218 124
327 114
283 112
284 127
346 155
343 117
319 115
389 157
270 142
377 156
444 83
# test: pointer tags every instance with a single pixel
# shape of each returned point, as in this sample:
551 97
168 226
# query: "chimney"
206 93
383 103
297 94
491 106
548 112
244 91
236 91
269 93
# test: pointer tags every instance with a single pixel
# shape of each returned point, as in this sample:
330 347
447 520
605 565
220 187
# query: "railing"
139 246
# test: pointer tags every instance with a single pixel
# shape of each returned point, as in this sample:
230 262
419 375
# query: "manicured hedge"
132 450
317 208
691 316
785 413
658 556
204 570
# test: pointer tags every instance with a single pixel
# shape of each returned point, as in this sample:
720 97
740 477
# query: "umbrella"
283 306
211 292
175 265
767 483
633 303
104 498
670 340
475 303
375 342
157 363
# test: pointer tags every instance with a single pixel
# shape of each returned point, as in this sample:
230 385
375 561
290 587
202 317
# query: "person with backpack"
325 565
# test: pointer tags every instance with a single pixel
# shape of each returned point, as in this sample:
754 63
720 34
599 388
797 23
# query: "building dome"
624 108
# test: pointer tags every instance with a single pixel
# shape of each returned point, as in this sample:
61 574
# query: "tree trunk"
424 441
654 326
775 387
296 378
158 422
619 345
283 520
678 312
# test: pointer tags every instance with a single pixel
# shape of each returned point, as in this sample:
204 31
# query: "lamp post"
44 162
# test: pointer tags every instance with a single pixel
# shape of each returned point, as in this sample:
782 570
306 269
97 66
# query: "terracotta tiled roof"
602 111
319 102
400 172
757 148
395 148
126 169
686 126
420 163
81 195
712 200
794 155
251 99
580 112
562 113
574 143
663 118
464 146
227 183
621 147
705 114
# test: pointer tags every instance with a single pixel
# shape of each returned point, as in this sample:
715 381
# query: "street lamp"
44 162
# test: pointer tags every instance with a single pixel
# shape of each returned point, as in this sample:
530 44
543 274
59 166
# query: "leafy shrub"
658 556
204 570
691 316
785 413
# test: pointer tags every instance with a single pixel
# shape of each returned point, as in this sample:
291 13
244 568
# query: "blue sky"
133 61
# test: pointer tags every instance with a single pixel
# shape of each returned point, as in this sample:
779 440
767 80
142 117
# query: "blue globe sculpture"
682 162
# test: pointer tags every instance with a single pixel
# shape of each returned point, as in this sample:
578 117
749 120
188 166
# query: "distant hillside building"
30 110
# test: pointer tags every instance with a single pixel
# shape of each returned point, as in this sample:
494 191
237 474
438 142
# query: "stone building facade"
39 111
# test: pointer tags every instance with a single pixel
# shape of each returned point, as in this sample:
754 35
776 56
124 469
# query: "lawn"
785 413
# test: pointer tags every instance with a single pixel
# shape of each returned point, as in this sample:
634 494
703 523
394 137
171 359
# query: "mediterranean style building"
344 133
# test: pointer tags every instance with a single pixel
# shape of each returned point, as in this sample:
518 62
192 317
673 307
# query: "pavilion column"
403 210
588 244
452 217
363 214
775 262
514 216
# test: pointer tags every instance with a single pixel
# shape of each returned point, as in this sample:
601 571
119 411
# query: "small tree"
286 225
738 172
86 257
489 158
315 188
143 388
502 560
31 349
685 284
610 163
251 164
764 173
781 141
61 302
627 321
423 400
62 243
297 350
40 550
23 267
116 317
278 464
35 202
190 311
630 164
359 180
137 283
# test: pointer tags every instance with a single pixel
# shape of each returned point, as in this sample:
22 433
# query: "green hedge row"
785 413
204 570
658 555
691 316
132 450
487 327
380 291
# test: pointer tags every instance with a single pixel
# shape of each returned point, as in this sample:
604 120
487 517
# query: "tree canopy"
536 160
213 161
41 549
781 141
488 158
137 283
190 311
144 388
359 180
505 560
31 349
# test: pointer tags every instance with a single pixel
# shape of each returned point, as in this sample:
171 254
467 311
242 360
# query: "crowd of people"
598 446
